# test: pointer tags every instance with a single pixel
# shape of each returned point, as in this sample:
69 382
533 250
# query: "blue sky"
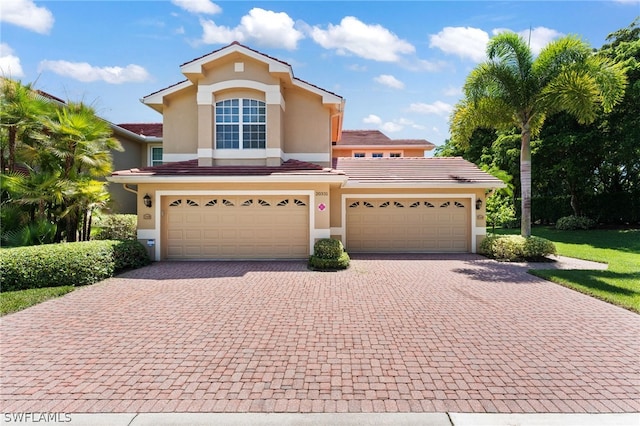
399 65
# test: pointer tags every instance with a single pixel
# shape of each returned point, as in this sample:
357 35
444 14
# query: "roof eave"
423 184
273 178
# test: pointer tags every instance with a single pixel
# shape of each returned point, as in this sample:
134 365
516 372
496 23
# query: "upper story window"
156 156
241 124
394 155
377 155
359 154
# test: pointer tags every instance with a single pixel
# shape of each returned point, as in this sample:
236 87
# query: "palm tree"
514 89
82 143
21 111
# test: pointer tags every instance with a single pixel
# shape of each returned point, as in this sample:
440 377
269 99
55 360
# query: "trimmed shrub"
76 264
328 248
117 227
320 264
538 248
571 223
511 248
328 255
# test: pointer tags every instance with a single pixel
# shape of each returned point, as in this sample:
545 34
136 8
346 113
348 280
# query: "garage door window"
241 124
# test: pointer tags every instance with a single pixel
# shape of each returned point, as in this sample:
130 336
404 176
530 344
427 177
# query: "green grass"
13 301
619 284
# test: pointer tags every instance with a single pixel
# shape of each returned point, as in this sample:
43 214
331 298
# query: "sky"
400 65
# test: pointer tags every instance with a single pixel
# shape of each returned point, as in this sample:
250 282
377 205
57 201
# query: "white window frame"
240 123
151 160
359 154
377 154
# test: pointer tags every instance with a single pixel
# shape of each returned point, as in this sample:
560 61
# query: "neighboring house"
374 143
248 173
142 144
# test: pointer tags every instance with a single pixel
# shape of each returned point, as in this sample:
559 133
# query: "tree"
56 155
82 143
21 112
512 88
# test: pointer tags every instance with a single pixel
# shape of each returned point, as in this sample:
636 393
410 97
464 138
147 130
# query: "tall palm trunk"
525 181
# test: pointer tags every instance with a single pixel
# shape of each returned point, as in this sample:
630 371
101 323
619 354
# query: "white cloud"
9 63
261 27
198 6
366 41
540 37
438 107
372 119
25 14
465 42
85 72
452 91
391 127
390 81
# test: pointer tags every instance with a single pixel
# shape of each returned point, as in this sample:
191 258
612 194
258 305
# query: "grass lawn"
12 301
619 284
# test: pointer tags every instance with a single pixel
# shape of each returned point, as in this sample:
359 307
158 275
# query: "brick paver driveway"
419 333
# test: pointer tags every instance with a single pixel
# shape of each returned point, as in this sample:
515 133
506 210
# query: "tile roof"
375 137
144 129
191 168
439 170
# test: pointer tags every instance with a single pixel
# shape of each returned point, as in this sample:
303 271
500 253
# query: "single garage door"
235 227
408 225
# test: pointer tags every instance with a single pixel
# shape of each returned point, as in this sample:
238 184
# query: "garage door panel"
227 227
408 225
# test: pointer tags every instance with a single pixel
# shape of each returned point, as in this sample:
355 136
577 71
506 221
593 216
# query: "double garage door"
408 225
235 227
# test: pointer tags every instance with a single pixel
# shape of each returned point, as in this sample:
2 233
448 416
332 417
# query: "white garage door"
408 225
235 227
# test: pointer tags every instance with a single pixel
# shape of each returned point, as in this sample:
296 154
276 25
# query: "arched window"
241 124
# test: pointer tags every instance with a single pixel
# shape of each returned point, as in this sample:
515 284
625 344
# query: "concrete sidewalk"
347 419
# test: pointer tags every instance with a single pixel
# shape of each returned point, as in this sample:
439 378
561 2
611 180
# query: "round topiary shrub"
328 255
513 248
328 248
571 223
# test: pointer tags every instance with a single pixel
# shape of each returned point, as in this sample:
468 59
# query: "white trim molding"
173 158
271 91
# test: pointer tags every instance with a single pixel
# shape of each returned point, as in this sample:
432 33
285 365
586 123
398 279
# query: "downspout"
126 188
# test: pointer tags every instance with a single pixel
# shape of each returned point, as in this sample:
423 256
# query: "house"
374 143
142 146
248 173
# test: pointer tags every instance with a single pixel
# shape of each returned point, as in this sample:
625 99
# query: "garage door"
235 227
408 225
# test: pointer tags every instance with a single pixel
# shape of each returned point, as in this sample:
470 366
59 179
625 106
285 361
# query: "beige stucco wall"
307 123
223 69
180 123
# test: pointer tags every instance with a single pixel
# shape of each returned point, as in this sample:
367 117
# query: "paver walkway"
424 333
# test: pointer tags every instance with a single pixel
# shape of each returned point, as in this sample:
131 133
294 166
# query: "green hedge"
328 255
117 227
76 264
512 248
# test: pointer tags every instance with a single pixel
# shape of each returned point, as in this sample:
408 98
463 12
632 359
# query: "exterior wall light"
478 204
147 200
